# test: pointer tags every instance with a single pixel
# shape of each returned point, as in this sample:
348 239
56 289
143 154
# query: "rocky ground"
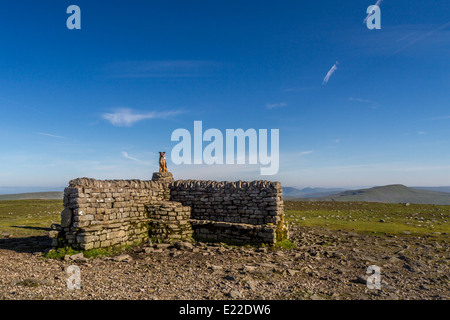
324 265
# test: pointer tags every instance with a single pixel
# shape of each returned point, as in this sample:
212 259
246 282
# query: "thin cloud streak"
330 73
128 117
366 101
424 38
275 105
163 69
127 156
51 135
426 35
438 118
300 89
360 100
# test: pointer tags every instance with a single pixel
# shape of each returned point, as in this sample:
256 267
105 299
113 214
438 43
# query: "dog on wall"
162 162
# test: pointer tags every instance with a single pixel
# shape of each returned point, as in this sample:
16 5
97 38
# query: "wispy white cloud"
421 132
372 104
423 36
404 39
163 69
127 117
18 104
306 152
299 89
51 135
359 100
275 105
126 155
438 118
330 73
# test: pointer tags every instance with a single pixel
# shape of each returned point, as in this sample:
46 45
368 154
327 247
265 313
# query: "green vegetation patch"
285 244
60 253
371 217
26 218
33 283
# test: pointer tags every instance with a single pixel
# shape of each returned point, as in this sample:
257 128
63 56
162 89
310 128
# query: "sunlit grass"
374 218
24 218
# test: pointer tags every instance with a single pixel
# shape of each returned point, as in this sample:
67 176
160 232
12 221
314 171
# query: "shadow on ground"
32 228
27 244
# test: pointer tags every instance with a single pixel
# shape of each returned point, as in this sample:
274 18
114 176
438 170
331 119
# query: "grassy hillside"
290 192
372 217
390 194
23 218
439 189
54 195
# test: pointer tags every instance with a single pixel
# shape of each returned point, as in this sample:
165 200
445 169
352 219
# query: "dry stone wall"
104 213
233 211
169 220
107 213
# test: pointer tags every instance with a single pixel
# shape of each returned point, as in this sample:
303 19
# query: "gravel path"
325 265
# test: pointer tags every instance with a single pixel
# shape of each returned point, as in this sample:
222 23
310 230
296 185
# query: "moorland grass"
60 253
25 218
372 218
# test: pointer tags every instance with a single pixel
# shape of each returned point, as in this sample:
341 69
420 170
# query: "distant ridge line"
50 195
395 193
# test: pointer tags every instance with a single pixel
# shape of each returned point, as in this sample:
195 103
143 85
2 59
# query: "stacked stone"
106 213
238 233
257 202
117 212
169 220
166 177
243 205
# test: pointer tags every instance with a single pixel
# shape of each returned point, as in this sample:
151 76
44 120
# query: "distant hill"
396 193
52 195
289 192
29 189
439 189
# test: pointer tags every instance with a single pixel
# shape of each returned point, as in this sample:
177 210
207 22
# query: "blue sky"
102 101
